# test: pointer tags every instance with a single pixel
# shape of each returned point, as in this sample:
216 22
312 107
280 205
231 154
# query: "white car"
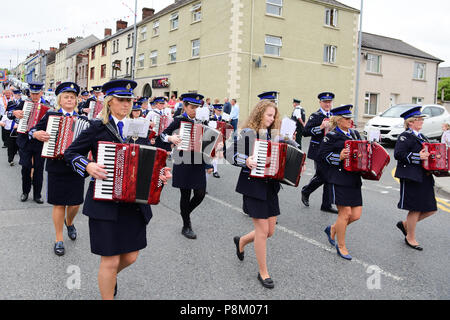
391 125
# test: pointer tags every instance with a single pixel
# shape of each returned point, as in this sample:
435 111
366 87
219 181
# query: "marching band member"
315 128
144 105
260 196
416 184
136 111
65 187
117 230
217 116
188 176
10 127
84 97
30 150
158 110
345 185
299 116
97 97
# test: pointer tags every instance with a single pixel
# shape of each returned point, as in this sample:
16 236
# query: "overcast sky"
423 24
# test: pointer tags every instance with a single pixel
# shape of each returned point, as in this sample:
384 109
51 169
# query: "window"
174 21
196 48
155 28
103 71
173 53
128 66
273 46
141 60
92 73
93 53
427 111
331 17
196 12
329 54
143 33
154 58
419 71
417 100
371 104
103 49
373 63
130 39
435 111
274 7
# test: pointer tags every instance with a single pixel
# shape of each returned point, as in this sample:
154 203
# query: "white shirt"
446 138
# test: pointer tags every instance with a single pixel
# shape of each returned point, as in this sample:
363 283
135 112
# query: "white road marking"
308 240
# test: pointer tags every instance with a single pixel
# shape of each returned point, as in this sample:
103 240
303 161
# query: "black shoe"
414 247
115 289
305 199
71 231
59 248
38 200
267 283
188 233
216 175
330 209
24 197
239 254
401 227
11 164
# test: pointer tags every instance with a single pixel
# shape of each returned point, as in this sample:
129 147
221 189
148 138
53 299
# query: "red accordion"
366 157
63 131
226 130
278 161
95 107
438 161
161 124
197 137
32 114
133 173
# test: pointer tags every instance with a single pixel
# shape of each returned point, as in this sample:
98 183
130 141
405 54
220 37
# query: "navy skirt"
65 189
127 234
346 196
260 209
418 196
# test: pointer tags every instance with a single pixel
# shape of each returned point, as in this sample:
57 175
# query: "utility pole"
358 68
133 64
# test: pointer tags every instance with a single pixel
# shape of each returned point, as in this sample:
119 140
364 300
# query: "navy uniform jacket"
406 152
214 117
312 129
81 106
54 165
25 141
330 150
74 155
237 155
190 173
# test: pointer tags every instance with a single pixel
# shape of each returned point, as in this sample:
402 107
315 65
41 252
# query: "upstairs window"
329 54
419 71
274 7
331 17
155 28
195 48
154 58
273 46
196 12
173 54
143 33
174 21
373 63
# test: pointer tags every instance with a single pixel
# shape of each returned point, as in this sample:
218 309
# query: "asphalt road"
301 262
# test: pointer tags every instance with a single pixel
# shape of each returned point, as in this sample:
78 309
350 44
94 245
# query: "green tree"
444 83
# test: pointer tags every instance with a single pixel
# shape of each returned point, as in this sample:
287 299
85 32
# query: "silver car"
391 124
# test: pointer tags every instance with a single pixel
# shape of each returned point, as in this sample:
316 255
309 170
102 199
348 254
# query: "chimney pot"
147 12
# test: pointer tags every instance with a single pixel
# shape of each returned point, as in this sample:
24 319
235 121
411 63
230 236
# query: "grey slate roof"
444 72
373 41
337 4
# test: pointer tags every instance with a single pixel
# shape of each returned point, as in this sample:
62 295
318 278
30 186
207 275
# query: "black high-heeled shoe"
412 246
239 254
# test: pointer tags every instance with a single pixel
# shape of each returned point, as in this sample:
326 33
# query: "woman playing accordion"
345 185
65 187
117 229
416 184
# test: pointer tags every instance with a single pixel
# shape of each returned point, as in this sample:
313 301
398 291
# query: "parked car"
391 124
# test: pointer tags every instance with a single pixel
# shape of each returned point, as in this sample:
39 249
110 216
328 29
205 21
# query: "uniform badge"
325 139
128 86
402 138
72 86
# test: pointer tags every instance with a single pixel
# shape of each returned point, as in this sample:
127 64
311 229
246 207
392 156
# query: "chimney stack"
52 49
147 12
108 32
70 40
61 45
120 24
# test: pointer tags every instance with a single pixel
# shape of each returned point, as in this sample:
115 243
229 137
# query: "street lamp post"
133 65
358 66
38 76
